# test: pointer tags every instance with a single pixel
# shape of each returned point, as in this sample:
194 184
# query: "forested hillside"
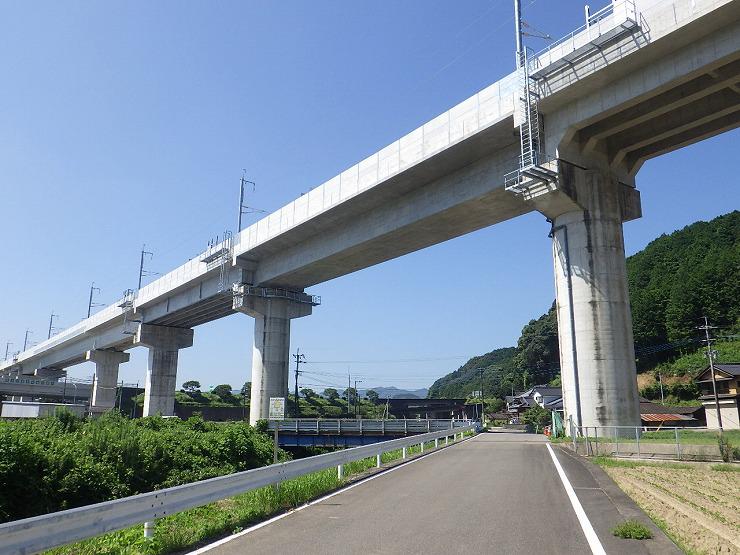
673 282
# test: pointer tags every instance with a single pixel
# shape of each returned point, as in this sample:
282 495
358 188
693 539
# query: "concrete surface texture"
665 74
495 493
161 375
271 351
106 378
598 370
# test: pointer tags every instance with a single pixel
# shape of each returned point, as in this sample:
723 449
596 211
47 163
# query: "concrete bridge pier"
106 377
164 344
597 357
271 352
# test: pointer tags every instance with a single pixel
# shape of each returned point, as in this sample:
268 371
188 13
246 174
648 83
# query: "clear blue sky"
130 122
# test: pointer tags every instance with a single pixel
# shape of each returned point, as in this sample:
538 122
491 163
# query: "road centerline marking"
588 530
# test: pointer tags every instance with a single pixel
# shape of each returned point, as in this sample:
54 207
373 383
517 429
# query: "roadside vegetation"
632 530
187 529
58 463
696 504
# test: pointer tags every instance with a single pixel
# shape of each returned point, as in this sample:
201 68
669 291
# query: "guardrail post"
340 472
446 439
149 530
422 446
678 445
637 438
377 461
436 442
403 453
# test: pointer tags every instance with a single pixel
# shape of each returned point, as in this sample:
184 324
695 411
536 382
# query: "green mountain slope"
673 282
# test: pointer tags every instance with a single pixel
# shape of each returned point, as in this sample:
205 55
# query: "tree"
331 394
372 396
223 391
308 393
350 394
246 389
537 417
191 386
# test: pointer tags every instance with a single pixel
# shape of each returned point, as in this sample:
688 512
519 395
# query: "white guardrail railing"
339 426
31 535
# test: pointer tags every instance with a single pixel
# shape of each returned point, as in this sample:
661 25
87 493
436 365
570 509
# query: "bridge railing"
351 426
31 535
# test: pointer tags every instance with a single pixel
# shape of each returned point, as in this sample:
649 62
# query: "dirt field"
697 505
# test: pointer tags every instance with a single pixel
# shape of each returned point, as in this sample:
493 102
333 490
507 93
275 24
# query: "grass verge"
632 530
190 528
621 463
726 467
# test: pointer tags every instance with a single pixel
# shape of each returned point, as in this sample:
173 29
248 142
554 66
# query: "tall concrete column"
597 358
164 344
271 351
106 377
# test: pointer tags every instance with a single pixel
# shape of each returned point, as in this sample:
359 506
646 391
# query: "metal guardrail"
340 426
31 535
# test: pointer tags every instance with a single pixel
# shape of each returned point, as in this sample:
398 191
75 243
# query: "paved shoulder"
496 493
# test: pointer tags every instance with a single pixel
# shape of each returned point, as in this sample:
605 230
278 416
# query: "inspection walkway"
495 493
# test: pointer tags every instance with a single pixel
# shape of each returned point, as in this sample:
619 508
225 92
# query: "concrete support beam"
270 355
597 357
164 344
106 376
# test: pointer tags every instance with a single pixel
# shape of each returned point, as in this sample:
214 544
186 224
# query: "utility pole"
482 397
144 252
7 348
660 381
90 303
349 385
518 30
25 340
51 323
299 359
242 208
357 399
711 354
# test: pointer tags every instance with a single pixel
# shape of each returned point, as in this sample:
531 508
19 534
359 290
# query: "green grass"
632 530
188 528
685 437
621 463
726 467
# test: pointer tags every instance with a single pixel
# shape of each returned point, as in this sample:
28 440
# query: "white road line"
588 530
319 500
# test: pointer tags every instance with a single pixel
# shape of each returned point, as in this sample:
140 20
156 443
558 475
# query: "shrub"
63 462
632 530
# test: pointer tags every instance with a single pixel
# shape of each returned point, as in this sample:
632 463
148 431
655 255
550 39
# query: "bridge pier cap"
272 310
598 373
106 378
164 344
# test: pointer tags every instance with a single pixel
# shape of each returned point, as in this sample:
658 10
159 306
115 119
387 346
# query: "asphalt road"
495 493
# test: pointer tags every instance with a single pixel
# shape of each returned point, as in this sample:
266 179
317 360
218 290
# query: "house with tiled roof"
727 379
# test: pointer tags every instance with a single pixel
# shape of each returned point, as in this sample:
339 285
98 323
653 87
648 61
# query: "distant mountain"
395 393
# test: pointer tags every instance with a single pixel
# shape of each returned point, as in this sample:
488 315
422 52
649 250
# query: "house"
657 415
727 378
543 395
